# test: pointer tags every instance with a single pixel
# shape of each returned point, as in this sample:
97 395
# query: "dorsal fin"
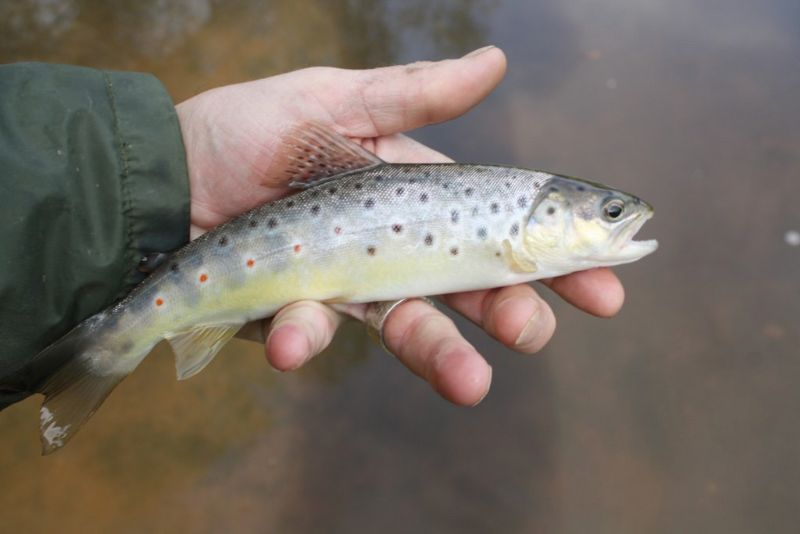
317 155
195 348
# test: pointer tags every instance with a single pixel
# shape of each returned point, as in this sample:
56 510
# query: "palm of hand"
233 143
233 134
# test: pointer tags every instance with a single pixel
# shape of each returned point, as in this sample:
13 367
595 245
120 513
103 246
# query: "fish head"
575 224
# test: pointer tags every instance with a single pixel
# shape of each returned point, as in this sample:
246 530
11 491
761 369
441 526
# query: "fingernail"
479 51
531 331
488 387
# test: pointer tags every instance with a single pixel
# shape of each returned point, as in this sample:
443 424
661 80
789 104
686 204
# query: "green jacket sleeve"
92 177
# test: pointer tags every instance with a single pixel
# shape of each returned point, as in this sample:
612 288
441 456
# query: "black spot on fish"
454 216
429 239
475 211
581 188
482 232
314 193
315 209
427 174
332 191
359 185
553 189
399 191
223 241
397 228
445 185
290 204
253 223
514 229
522 201
508 185
551 210
174 268
369 203
272 223
495 208
497 254
454 251
468 192
423 197
412 180
378 177
371 250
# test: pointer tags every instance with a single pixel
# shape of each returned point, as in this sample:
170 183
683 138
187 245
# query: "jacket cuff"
155 178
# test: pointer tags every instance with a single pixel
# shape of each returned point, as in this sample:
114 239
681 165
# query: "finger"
298 332
515 315
403 97
596 291
429 344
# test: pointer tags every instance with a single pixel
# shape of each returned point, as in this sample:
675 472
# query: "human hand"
233 141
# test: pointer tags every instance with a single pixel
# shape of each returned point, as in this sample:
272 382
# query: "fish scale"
359 230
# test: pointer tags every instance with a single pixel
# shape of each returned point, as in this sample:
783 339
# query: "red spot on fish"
297 248
251 262
203 277
159 302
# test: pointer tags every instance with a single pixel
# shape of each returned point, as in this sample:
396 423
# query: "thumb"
395 99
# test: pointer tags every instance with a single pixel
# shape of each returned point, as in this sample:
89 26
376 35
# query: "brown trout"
359 230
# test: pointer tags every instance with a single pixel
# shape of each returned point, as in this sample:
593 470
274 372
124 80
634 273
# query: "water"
680 415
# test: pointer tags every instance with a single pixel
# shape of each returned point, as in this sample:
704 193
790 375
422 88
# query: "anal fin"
194 349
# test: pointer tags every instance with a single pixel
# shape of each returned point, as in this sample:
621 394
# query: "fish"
357 230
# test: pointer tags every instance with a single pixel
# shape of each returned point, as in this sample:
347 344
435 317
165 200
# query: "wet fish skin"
371 231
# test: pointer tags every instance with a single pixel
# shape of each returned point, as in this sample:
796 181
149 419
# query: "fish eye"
612 210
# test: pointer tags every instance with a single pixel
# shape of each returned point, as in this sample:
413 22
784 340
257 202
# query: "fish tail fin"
78 387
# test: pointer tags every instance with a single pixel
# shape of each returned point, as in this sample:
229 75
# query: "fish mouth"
624 247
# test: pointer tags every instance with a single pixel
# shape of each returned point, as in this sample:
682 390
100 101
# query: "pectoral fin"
518 262
194 349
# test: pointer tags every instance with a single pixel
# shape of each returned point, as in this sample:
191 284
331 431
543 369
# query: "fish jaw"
625 249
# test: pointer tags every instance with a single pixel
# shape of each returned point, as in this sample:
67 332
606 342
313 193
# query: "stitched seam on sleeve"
127 200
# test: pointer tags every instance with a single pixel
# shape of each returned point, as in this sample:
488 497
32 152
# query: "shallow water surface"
679 415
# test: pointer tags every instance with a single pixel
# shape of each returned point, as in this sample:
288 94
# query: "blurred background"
679 415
